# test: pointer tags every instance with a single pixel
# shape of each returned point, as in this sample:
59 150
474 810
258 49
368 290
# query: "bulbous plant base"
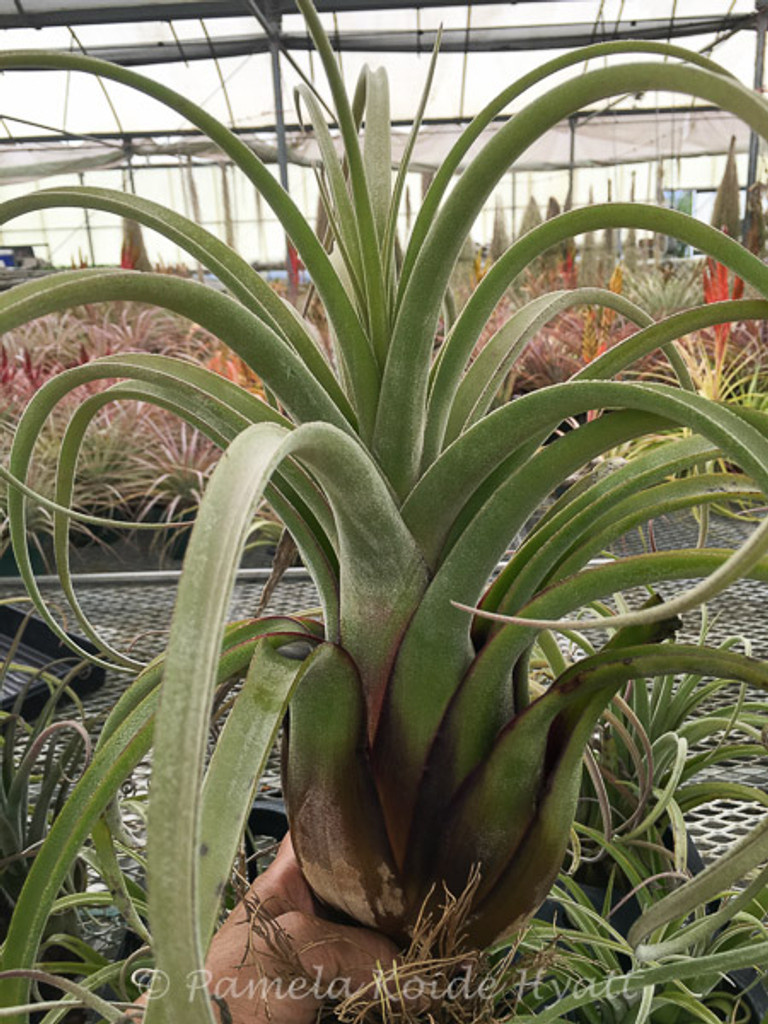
438 979
441 977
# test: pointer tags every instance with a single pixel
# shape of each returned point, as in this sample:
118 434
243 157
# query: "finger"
347 961
282 888
329 951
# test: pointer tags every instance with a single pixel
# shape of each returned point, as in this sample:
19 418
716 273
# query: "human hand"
274 959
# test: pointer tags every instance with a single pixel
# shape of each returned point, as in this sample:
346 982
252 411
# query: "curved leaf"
87 801
742 858
549 754
436 649
485 297
755 955
234 771
436 502
677 325
479 384
399 427
358 358
202 388
124 741
532 565
388 576
277 364
693 492
740 561
232 270
450 165
297 502
601 581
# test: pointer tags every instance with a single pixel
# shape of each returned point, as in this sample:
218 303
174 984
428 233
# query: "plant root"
440 978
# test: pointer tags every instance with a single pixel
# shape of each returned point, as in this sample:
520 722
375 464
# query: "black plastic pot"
9 566
40 649
745 980
267 818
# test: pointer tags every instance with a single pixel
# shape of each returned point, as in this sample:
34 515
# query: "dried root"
438 979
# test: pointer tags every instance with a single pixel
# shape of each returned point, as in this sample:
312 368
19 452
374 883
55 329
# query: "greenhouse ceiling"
57 126
218 52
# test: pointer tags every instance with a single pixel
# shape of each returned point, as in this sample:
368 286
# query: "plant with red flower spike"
717 288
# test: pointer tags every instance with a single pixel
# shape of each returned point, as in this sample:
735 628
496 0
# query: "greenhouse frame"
243 58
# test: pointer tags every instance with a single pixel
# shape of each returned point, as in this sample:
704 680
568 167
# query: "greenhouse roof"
56 126
218 52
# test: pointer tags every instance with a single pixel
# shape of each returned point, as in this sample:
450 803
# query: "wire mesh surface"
136 616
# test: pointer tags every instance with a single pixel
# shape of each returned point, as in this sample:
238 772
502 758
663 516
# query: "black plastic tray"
39 649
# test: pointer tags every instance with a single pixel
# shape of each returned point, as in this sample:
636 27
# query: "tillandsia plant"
417 755
40 760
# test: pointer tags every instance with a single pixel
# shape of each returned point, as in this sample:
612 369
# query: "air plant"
39 763
665 289
417 755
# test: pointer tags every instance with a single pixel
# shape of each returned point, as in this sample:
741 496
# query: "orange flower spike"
589 335
608 316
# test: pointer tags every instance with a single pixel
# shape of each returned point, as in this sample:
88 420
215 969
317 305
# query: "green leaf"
436 502
109 768
737 565
479 384
755 955
362 369
544 744
337 827
340 210
390 237
236 766
283 372
375 287
175 812
399 428
377 149
602 581
677 325
742 858
556 535
450 165
655 502
370 525
124 741
207 392
232 270
111 872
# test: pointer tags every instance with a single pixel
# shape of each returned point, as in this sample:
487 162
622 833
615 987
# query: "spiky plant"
416 752
726 215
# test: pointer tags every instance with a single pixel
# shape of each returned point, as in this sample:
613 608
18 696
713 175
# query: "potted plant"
416 750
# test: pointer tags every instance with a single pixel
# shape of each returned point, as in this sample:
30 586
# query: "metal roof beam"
44 13
482 40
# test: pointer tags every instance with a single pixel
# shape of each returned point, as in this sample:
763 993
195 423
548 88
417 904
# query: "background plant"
135 460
